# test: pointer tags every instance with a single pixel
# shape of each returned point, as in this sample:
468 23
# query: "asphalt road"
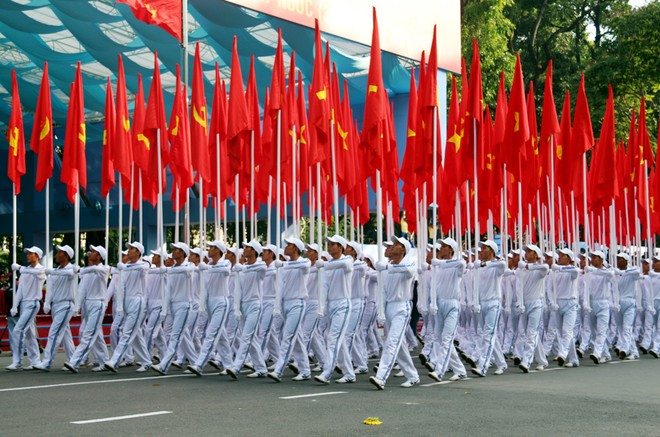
618 398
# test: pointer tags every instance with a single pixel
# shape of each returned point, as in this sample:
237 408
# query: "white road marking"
624 361
443 382
311 395
110 419
104 381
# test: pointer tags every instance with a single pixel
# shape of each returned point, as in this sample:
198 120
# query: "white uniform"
153 328
28 296
565 303
248 304
397 282
601 292
93 285
655 312
630 299
129 302
60 299
531 301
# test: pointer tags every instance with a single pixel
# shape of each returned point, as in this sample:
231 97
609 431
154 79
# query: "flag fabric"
16 138
532 170
319 105
107 165
238 119
455 151
166 14
179 136
375 107
199 122
74 162
644 157
516 132
155 122
278 80
120 144
217 134
476 92
41 142
603 176
407 168
582 138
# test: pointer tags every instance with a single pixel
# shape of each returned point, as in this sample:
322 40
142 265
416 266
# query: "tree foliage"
607 40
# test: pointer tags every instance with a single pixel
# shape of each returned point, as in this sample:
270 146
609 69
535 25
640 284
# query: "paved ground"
618 398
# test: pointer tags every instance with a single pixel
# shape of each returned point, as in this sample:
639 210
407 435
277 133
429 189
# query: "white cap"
510 255
147 258
161 253
598 253
136 245
515 252
451 243
357 248
219 244
254 244
296 242
35 250
646 260
656 258
312 246
197 251
568 252
270 247
66 249
326 255
623 255
371 258
534 248
402 241
124 252
181 245
338 239
235 250
491 244
101 251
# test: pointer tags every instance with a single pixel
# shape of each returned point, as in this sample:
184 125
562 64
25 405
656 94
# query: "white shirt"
252 278
398 279
61 285
268 287
600 283
337 279
312 283
566 281
655 284
152 286
293 279
133 277
216 278
357 280
371 284
448 275
629 286
509 284
531 281
179 282
490 279
31 284
93 282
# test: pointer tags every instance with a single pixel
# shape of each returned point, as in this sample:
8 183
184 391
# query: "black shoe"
524 368
560 361
294 368
338 370
470 361
375 368
622 355
516 361
654 353
643 350
231 373
595 359
423 359
580 353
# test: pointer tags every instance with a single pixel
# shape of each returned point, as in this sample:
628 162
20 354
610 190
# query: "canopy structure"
95 32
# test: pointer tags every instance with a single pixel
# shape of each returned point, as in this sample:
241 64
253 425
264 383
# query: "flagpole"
176 214
268 209
120 211
130 207
49 258
505 210
202 228
335 187
107 224
237 217
552 193
459 227
253 225
310 203
217 184
648 210
140 204
159 220
379 243
278 196
76 231
294 202
625 202
14 243
584 199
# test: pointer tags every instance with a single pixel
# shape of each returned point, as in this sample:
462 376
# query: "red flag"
141 149
74 162
476 93
549 121
107 165
583 136
218 138
199 122
41 142
16 138
375 106
304 137
238 119
166 14
407 168
122 151
604 184
278 81
532 167
516 132
565 163
179 135
500 114
154 122
643 141
455 150
319 105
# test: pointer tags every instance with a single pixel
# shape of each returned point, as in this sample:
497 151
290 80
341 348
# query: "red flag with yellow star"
199 122
74 161
41 142
16 138
166 14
